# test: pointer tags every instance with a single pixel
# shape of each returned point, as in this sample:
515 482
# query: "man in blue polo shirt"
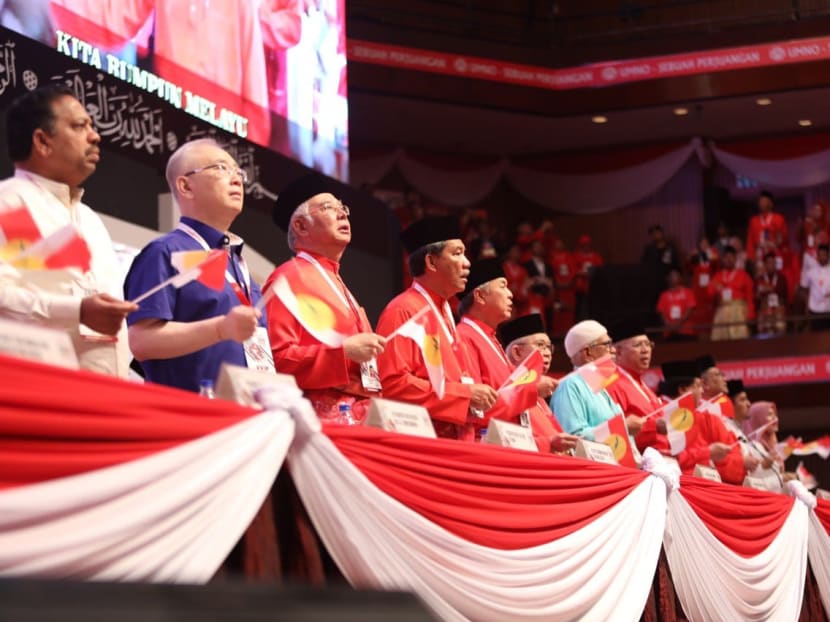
182 336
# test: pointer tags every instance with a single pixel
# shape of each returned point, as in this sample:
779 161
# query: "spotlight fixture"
805 122
763 101
599 119
680 112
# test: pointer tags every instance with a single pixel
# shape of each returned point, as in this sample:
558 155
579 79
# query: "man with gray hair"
575 405
318 229
182 336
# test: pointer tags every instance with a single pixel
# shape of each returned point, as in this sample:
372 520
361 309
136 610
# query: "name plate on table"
754 482
823 494
36 343
238 384
598 452
508 434
399 417
707 473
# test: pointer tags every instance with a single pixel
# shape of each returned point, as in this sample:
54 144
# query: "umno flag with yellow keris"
599 374
65 248
423 330
207 267
17 231
614 433
519 390
680 416
314 314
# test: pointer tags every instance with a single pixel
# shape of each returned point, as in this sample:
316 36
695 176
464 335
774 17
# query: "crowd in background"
730 286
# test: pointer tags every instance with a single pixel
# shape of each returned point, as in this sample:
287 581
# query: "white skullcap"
582 334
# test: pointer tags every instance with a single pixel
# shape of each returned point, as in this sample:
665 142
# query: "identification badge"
726 294
667 257
674 312
369 376
477 412
703 279
587 266
258 351
772 300
779 263
563 270
811 241
524 419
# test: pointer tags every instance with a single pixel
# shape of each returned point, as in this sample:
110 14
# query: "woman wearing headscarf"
761 428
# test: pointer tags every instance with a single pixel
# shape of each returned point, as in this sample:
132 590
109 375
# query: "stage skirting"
105 480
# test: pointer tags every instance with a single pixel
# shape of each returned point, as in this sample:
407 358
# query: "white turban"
582 334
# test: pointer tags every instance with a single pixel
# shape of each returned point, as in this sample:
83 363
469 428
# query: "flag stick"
155 289
418 314
266 296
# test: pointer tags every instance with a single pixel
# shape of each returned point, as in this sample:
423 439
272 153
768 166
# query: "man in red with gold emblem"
318 331
439 270
637 400
519 338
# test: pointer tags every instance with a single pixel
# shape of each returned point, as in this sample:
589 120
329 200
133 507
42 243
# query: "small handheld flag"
598 374
313 313
519 390
207 267
423 330
614 433
65 248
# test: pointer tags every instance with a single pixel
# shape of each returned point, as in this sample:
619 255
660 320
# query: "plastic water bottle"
483 435
206 389
345 414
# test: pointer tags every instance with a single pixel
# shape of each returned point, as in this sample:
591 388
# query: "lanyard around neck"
499 352
449 331
229 277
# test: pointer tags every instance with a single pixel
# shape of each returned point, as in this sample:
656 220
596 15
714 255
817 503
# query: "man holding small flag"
45 226
578 407
439 269
523 338
203 307
319 333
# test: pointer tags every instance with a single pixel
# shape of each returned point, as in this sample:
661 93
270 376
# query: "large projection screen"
270 71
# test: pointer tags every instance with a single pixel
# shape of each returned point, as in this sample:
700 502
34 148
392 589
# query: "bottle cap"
206 383
343 406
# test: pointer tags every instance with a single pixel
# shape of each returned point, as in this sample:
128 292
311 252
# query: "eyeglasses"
539 345
225 169
340 207
602 344
643 345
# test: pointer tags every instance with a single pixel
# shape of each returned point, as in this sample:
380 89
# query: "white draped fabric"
578 193
801 172
600 572
819 553
715 584
161 518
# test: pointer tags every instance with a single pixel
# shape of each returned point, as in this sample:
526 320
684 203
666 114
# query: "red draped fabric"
57 422
506 499
744 519
822 511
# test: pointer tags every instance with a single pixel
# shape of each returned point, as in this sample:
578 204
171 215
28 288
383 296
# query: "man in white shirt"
54 147
816 281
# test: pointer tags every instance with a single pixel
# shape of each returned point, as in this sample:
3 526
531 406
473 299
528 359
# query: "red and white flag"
519 390
17 231
599 374
315 316
422 328
65 248
805 477
207 267
820 446
614 433
679 415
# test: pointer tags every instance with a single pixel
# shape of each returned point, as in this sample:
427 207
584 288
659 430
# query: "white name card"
754 482
238 384
591 450
399 417
36 343
707 473
508 434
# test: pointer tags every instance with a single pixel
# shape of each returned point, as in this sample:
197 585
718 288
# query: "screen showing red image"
270 71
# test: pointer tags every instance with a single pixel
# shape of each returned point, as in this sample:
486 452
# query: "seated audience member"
661 255
765 226
816 283
761 428
771 295
517 281
740 460
676 306
732 290
182 336
318 229
439 270
586 260
634 350
520 337
575 405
